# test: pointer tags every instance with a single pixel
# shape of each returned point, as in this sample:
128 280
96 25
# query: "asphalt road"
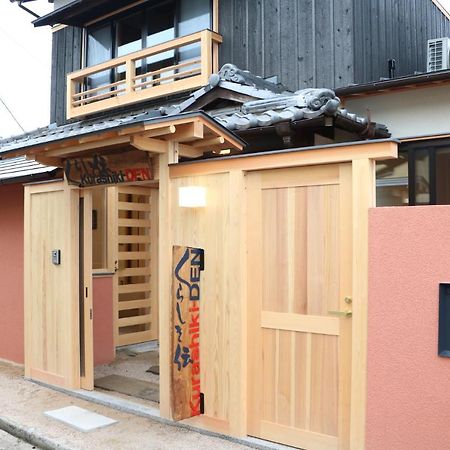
8 442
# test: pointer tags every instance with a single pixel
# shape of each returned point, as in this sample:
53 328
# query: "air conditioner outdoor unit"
438 57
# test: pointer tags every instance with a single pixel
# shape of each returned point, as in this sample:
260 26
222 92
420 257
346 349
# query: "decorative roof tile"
303 104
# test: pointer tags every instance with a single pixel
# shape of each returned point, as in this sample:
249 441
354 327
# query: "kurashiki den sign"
186 398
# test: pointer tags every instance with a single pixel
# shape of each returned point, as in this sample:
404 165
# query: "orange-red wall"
11 273
103 320
408 401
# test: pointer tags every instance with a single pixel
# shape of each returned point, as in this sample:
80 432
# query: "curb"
30 435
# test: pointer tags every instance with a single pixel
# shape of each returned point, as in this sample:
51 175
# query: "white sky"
25 61
445 4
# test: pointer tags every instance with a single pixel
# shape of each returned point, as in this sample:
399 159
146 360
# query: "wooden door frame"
363 156
87 339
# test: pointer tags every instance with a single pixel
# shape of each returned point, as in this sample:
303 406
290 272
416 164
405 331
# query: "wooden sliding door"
299 291
52 335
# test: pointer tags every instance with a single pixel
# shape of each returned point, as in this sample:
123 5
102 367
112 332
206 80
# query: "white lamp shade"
192 197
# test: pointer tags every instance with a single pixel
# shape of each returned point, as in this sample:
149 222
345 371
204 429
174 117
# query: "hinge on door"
202 403
90 313
86 292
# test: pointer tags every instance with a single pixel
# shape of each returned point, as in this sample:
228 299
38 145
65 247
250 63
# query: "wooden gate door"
299 286
52 335
136 314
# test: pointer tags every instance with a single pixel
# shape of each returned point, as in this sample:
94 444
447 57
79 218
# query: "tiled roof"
303 104
75 129
272 103
21 168
233 79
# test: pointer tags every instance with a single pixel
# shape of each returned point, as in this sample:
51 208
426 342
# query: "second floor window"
146 27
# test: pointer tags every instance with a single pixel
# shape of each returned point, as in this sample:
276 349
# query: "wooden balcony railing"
149 73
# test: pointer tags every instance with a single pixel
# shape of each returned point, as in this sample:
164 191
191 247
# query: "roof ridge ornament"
314 102
232 73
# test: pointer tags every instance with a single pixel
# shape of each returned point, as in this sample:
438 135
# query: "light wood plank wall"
219 230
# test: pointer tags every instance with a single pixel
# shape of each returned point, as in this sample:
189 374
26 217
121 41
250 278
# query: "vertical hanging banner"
188 263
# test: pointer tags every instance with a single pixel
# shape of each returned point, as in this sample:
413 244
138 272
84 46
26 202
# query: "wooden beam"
160 131
301 157
46 161
96 137
209 142
189 151
216 129
61 152
149 144
188 132
130 130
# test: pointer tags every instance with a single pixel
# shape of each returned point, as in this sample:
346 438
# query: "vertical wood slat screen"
136 311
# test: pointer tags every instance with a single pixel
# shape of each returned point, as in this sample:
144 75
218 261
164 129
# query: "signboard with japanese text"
186 396
117 168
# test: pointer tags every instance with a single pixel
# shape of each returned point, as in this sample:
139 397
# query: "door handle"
347 313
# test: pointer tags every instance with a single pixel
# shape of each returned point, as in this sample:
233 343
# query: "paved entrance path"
24 403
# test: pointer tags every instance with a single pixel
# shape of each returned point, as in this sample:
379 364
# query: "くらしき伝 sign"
188 263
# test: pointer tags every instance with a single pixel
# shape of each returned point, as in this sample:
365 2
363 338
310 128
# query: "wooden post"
363 181
129 74
206 56
238 304
112 253
165 266
70 91
87 379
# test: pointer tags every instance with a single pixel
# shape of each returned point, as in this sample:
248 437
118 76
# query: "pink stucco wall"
11 273
408 403
103 320
11 287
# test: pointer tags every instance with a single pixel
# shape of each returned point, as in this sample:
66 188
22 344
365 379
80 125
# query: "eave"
194 133
79 13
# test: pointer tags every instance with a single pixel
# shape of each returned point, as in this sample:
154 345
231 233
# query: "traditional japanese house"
215 200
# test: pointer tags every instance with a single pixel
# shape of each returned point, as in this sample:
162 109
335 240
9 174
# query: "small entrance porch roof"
196 132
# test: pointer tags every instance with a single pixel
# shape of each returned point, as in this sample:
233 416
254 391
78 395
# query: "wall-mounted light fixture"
192 197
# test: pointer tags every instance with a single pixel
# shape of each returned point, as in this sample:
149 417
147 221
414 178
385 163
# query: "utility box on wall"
444 320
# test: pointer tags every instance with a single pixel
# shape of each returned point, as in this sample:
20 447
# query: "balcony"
169 74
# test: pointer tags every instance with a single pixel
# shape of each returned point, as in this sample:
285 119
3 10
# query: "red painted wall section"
408 403
103 320
11 273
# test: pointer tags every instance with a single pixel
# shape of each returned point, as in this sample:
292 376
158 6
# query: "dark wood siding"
394 29
66 57
307 43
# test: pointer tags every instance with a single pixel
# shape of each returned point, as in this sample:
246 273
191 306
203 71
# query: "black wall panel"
66 58
394 29
307 43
